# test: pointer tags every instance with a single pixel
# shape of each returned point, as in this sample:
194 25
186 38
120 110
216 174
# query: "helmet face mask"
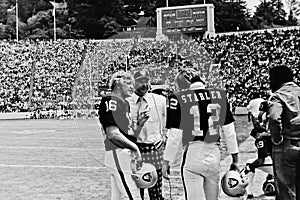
234 184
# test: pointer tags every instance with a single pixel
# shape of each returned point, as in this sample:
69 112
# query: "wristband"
278 143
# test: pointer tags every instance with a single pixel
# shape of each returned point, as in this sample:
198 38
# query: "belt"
140 144
207 139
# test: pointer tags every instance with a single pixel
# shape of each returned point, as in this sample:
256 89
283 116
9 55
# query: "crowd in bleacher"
38 75
45 75
245 60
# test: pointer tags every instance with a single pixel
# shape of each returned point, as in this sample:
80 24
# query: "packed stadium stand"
45 75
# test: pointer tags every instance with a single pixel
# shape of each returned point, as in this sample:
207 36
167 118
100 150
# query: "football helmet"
188 76
234 184
146 176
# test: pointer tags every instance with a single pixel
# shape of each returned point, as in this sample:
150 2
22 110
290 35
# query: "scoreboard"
185 19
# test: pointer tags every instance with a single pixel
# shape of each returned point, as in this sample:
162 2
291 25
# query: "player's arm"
229 136
164 119
162 101
172 145
249 112
174 135
249 116
275 110
115 136
255 164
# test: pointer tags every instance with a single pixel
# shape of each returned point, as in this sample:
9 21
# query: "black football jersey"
264 146
263 106
114 111
199 113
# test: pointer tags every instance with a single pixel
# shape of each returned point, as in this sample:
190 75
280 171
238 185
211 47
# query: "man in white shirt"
151 138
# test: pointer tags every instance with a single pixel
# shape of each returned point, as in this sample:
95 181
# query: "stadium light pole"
54 24
17 21
167 3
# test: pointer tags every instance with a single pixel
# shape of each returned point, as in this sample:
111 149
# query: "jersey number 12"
211 108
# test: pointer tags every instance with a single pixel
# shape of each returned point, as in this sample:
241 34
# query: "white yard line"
54 138
49 166
55 148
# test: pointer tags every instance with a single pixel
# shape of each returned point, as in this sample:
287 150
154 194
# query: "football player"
253 109
197 118
264 144
120 147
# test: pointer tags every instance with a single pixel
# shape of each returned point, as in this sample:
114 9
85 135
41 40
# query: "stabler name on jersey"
202 94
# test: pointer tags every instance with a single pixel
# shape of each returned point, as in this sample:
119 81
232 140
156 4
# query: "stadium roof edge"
259 31
185 6
118 39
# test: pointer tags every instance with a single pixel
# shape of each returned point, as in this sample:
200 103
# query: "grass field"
61 160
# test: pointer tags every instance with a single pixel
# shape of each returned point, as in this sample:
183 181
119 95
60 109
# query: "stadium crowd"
38 75
47 75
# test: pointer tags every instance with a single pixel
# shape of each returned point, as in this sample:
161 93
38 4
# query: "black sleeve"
173 112
263 106
108 110
226 116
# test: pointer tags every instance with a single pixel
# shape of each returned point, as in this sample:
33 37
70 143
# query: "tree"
4 6
292 21
279 12
269 13
104 18
294 7
264 14
231 16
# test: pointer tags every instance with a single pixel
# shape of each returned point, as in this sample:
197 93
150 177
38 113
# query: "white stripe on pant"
121 179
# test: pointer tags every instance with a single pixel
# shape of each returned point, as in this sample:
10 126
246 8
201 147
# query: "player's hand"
248 169
143 116
136 162
166 169
137 155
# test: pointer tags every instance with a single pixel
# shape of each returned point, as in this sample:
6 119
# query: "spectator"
284 105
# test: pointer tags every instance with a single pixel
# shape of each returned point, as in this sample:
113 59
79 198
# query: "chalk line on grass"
50 166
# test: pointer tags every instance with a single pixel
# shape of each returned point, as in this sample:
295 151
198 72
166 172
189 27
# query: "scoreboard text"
184 20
